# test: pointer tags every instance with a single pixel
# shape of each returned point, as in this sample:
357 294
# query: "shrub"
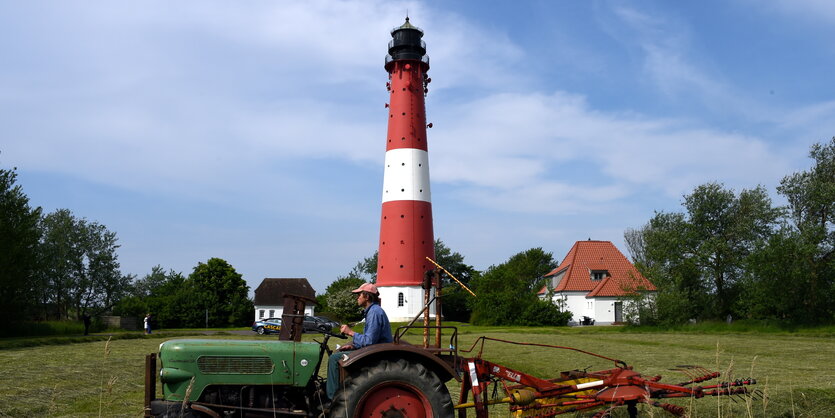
544 313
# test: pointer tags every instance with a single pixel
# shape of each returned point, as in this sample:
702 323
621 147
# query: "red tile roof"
586 256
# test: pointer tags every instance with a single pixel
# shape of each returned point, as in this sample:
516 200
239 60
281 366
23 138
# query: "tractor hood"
232 362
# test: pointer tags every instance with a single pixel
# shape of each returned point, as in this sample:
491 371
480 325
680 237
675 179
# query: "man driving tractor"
377 330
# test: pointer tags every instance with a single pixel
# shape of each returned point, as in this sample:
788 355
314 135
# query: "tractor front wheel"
393 389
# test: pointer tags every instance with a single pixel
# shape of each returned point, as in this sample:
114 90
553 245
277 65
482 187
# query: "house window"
598 275
272 313
261 313
589 305
400 299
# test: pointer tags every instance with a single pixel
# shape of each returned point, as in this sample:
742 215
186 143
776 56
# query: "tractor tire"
260 331
393 389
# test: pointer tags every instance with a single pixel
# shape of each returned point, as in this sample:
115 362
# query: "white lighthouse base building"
403 303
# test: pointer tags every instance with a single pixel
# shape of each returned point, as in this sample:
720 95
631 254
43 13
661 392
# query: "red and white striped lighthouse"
406 236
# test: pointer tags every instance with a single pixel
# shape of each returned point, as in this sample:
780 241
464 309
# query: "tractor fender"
362 356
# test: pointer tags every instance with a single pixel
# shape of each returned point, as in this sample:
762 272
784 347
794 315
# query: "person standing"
148 323
85 318
377 330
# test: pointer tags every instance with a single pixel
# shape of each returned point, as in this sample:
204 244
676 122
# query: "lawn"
103 378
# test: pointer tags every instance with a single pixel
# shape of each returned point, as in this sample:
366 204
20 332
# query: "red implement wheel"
393 389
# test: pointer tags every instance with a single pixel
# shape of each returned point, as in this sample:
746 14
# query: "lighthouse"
406 236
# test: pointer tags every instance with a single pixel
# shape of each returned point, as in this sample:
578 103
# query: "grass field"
796 370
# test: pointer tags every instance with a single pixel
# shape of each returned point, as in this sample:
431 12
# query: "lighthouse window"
400 299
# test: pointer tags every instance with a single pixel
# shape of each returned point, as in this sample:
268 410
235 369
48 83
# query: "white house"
593 281
269 296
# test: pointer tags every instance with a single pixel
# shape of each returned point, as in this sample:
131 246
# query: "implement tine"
705 372
686 371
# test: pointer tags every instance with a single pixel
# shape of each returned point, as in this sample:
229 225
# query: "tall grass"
103 373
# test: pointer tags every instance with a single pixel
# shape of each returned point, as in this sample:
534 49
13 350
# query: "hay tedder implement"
579 390
252 378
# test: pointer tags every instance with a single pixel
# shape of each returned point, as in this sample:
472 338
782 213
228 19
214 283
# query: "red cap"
366 287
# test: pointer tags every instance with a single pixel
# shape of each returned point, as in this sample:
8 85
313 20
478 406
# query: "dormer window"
597 275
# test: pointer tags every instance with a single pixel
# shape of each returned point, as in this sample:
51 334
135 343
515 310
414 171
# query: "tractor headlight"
171 375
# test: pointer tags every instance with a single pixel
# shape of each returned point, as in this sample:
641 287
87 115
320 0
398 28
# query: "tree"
697 259
79 268
780 280
216 290
159 293
150 283
340 301
811 196
802 255
506 291
724 229
168 298
19 237
456 300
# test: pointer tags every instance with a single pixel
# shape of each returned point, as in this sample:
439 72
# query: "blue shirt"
377 328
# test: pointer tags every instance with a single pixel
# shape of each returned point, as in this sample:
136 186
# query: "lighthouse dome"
406 44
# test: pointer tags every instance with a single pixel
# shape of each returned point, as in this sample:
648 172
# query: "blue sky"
255 131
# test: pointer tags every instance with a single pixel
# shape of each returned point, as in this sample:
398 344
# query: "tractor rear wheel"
393 389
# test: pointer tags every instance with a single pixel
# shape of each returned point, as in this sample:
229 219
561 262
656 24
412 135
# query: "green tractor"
250 378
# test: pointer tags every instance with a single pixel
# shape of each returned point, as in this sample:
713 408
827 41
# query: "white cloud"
677 68
177 96
531 152
822 11
199 96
